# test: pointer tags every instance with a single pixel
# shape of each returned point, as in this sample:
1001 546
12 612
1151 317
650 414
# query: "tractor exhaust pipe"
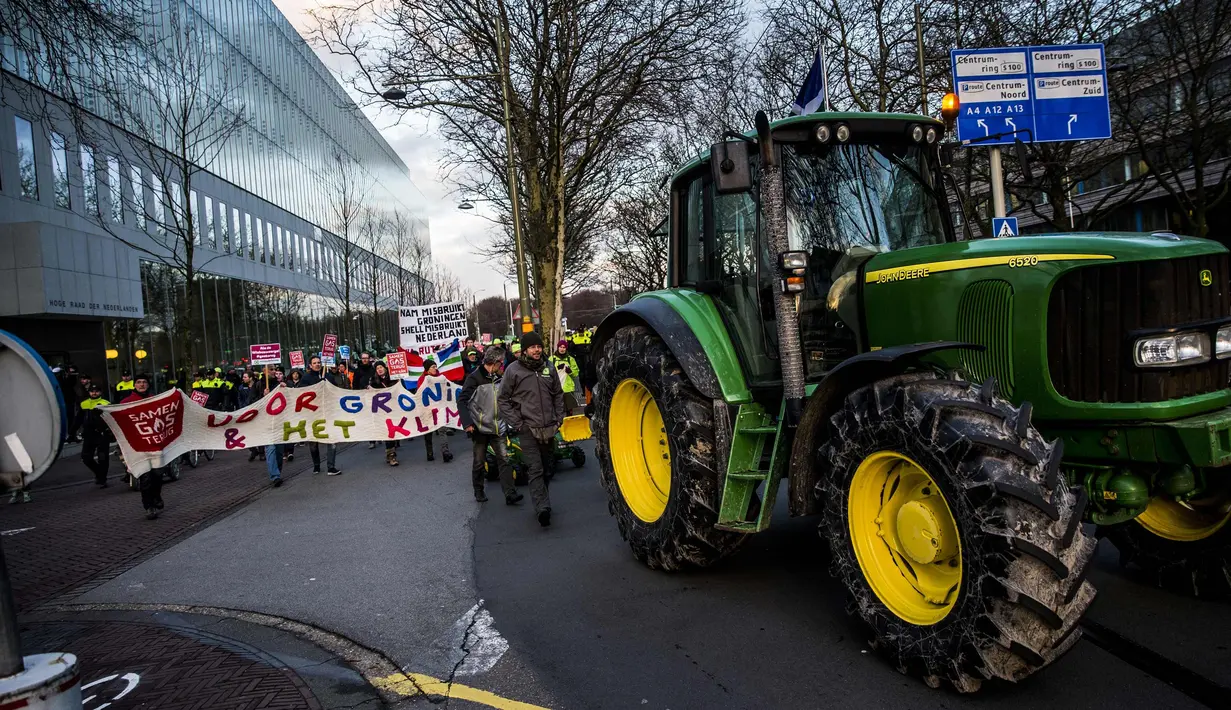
773 207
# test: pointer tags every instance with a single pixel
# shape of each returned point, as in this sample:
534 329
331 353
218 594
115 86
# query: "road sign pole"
997 180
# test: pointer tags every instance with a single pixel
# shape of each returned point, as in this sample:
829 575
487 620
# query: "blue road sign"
1004 227
344 352
1036 94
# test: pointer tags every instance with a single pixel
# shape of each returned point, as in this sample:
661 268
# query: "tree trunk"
557 305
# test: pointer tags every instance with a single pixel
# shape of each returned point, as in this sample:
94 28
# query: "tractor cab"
855 185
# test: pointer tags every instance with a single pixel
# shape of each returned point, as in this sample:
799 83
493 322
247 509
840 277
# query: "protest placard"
296 358
265 354
396 362
435 324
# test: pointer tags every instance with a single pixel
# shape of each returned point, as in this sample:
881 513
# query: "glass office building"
85 272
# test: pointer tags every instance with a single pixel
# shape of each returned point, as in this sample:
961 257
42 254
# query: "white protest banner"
432 325
155 431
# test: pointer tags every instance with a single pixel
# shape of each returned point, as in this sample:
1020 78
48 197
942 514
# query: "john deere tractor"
951 410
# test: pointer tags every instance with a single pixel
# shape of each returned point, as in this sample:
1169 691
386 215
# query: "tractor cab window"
845 204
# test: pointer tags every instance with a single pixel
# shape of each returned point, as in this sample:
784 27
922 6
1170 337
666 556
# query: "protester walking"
96 436
479 412
532 404
150 482
431 370
80 392
380 380
569 374
314 375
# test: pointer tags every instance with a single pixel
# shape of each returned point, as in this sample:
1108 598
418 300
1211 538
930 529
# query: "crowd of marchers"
523 391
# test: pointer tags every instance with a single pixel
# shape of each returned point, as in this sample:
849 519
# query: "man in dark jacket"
477 408
150 482
96 436
532 403
314 375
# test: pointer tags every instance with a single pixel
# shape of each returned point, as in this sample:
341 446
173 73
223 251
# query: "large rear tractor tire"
954 531
1185 549
654 440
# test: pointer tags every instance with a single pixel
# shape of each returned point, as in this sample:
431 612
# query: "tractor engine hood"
1058 316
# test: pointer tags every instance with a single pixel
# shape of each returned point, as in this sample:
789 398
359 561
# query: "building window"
138 196
278 240
160 211
269 239
248 237
116 190
25 158
59 170
89 181
224 237
239 238
211 239
260 236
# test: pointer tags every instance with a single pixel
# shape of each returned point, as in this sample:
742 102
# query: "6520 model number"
1020 261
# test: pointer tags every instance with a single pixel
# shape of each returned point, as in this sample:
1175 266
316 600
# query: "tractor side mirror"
946 154
1023 160
730 167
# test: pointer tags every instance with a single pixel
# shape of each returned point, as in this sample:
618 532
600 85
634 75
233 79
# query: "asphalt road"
404 562
768 627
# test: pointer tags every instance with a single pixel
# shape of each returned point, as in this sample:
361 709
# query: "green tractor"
951 410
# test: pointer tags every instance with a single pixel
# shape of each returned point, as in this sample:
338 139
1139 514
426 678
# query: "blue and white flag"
814 94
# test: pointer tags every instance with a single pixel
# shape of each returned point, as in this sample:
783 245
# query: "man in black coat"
532 404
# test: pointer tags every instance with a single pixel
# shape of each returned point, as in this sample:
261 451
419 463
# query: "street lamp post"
523 291
395 93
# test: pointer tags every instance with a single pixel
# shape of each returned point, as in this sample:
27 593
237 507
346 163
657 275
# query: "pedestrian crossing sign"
1004 227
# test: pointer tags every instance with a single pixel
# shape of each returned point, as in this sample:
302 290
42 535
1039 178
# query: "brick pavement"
82 533
147 665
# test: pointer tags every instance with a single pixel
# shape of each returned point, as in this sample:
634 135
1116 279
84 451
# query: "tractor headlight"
931 134
843 133
1170 350
916 133
1222 342
822 133
794 265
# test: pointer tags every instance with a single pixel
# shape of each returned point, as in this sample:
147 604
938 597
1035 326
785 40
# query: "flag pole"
825 78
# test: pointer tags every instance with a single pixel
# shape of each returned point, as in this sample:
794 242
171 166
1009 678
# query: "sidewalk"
73 533
177 661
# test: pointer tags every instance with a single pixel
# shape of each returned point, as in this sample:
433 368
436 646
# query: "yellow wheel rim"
905 538
639 450
1168 519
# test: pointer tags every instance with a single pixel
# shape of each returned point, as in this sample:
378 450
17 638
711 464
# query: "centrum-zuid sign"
1035 94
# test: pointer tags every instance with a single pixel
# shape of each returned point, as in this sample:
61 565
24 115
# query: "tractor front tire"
1180 549
658 460
954 531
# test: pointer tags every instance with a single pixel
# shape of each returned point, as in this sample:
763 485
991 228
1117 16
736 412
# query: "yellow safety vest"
123 386
92 403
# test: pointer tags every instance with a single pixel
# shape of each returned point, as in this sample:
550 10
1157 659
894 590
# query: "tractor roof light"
916 133
822 133
843 133
950 106
931 134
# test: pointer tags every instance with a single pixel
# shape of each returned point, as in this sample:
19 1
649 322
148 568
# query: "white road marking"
15 531
476 631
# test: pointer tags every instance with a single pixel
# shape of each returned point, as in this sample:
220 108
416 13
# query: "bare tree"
373 237
347 188
587 80
410 252
636 238
1175 102
179 109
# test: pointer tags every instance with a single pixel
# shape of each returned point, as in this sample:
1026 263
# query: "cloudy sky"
454 233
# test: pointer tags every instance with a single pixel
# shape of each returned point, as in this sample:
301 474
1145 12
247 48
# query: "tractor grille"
985 317
1094 308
